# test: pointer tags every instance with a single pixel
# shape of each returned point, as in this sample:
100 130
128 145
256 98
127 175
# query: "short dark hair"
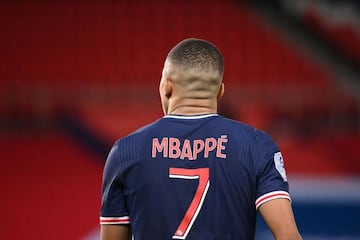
197 53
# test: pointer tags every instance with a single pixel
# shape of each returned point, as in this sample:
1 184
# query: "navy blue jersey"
191 177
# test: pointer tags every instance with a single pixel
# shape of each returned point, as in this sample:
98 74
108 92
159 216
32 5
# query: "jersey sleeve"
271 177
113 205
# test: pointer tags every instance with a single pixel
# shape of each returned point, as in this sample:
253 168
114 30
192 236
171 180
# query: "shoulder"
255 141
126 150
137 136
244 129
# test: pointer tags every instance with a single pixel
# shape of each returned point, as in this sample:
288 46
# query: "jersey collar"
190 116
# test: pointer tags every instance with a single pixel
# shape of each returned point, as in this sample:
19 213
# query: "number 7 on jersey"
202 174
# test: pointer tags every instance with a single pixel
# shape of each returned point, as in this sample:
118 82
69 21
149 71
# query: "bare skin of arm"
279 216
115 232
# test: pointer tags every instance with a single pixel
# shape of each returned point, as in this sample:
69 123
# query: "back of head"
195 65
197 53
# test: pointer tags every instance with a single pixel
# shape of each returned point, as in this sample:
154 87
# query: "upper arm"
279 216
271 181
113 205
115 232
272 197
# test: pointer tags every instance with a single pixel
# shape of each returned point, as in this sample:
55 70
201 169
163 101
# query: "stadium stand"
336 21
45 178
125 43
90 69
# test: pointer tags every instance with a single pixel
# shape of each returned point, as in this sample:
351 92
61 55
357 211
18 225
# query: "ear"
221 91
168 87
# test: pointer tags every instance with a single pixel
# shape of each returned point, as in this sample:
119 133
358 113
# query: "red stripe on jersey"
270 196
114 220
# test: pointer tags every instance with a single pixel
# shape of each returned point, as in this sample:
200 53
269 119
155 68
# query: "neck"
192 107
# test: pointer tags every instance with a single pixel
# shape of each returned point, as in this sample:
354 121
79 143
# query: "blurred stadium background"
77 75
